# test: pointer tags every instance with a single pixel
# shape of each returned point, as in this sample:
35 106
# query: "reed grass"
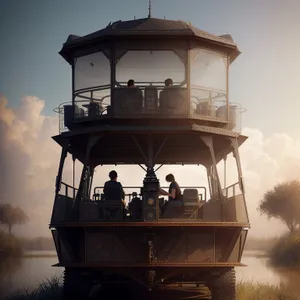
246 290
47 290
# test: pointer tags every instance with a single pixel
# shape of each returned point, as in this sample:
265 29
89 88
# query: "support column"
150 152
208 140
73 175
85 175
90 183
63 156
236 155
225 171
208 172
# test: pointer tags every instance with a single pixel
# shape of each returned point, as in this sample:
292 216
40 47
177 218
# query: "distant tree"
10 216
283 203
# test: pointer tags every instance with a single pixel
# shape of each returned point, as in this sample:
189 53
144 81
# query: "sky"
34 79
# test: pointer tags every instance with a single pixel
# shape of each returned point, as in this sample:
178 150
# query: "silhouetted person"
174 207
174 189
168 82
130 83
135 206
113 189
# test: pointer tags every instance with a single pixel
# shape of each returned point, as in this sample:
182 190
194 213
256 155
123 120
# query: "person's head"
130 83
170 178
168 82
113 175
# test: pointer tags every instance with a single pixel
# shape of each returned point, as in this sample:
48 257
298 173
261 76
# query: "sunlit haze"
34 79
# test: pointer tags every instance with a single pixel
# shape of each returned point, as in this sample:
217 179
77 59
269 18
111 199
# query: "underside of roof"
170 147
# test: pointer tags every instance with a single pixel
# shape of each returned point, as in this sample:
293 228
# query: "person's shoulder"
173 184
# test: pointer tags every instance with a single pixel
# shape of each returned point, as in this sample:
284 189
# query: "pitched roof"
150 26
147 27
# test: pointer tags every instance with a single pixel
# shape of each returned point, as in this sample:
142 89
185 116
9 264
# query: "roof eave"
68 48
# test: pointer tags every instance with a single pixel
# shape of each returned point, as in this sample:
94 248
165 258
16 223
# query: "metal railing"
205 104
232 190
67 190
202 191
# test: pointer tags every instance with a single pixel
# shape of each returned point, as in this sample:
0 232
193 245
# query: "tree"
10 216
283 203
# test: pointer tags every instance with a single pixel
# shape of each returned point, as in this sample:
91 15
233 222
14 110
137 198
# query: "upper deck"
149 51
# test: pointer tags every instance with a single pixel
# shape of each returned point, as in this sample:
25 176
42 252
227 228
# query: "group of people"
114 190
168 83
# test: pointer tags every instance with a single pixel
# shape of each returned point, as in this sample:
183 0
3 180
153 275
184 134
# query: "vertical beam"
73 85
235 149
92 172
63 156
208 173
150 152
227 90
188 79
225 171
73 159
214 255
208 140
92 140
112 69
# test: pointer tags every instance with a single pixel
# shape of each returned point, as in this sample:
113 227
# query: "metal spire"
149 9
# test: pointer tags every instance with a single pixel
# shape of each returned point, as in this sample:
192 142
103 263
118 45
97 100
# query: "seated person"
164 97
174 189
130 83
168 82
135 206
113 189
133 96
174 207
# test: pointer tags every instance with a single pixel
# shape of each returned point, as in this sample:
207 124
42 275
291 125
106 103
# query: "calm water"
33 270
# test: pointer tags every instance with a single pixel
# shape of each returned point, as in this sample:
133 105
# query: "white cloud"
29 161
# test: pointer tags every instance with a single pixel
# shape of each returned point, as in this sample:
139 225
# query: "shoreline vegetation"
246 290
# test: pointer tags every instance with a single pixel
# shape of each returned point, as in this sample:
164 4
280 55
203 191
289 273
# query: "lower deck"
194 211
161 223
152 265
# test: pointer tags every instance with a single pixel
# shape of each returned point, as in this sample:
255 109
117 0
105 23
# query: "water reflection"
258 269
8 269
30 271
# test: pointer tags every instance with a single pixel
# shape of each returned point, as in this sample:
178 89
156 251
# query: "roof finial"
149 9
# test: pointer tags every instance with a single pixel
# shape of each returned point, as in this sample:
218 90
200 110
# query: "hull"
151 255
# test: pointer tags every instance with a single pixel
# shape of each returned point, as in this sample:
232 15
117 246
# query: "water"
33 270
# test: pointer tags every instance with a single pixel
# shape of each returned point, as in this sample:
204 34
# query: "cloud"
29 161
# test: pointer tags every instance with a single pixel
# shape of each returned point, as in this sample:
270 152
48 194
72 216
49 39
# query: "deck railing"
202 191
232 190
147 104
68 190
